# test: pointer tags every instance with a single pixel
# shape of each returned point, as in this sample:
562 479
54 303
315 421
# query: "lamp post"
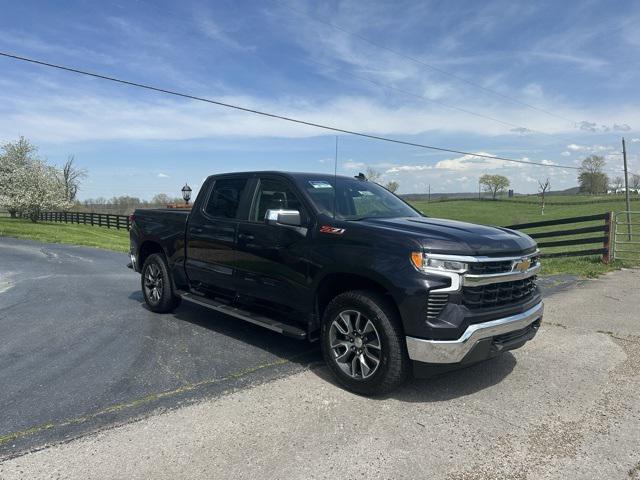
186 193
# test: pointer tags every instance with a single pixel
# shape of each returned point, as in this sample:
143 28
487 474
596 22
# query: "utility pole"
479 190
626 187
429 195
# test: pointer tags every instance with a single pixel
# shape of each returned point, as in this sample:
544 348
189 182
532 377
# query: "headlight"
426 263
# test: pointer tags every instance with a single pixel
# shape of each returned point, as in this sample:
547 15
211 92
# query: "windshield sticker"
320 184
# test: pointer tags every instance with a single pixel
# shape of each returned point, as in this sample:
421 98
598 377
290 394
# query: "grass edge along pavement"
49 232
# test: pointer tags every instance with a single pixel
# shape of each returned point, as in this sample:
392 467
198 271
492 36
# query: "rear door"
212 235
272 259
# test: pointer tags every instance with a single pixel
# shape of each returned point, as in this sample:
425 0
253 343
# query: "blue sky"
576 59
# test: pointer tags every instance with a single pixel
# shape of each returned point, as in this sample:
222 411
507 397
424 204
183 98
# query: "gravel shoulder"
564 406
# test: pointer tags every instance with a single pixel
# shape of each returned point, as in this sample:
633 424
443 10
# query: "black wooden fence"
548 240
598 225
97 219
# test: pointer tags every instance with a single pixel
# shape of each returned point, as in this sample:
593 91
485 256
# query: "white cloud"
351 164
162 175
471 162
590 148
210 28
409 168
566 154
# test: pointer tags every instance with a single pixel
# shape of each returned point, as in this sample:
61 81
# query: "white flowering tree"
12 157
27 184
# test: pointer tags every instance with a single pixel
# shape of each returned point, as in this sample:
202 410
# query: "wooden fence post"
607 256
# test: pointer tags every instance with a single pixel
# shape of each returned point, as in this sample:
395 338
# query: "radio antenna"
335 179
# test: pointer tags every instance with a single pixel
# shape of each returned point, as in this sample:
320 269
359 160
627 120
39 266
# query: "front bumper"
457 351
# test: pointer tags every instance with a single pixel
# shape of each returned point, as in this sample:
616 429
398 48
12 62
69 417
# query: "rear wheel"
157 287
363 343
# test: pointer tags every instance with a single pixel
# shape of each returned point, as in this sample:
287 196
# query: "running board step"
256 319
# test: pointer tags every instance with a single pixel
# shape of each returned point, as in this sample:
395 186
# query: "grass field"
99 237
503 213
509 213
499 213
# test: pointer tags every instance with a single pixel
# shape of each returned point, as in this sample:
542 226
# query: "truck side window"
273 195
225 197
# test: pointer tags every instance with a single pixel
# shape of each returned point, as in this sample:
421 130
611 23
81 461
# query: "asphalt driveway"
78 349
564 407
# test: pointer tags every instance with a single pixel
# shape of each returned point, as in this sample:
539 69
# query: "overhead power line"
428 65
280 117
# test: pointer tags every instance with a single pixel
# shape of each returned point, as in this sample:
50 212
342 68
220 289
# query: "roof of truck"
295 175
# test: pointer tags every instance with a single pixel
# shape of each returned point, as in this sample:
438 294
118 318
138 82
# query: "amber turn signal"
417 259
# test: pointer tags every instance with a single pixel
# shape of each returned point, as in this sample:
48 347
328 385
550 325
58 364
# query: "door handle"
245 236
195 230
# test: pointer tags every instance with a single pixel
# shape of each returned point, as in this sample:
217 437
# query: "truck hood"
453 237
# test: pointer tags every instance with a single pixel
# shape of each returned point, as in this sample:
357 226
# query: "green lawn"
499 213
100 237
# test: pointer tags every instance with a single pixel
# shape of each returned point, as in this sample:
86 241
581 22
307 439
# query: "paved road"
565 406
78 350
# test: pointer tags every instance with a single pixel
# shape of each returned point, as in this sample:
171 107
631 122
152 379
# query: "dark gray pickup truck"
387 291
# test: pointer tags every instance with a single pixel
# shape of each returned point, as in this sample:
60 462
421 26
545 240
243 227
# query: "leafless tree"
373 175
543 188
392 186
71 178
635 182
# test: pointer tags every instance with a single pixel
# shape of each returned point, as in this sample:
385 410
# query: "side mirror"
289 218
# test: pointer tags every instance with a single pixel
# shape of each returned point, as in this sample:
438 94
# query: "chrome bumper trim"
134 262
454 351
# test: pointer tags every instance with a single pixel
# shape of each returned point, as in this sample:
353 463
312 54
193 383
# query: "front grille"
436 303
498 294
502 266
484 268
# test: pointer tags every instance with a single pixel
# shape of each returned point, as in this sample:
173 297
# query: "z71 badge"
331 230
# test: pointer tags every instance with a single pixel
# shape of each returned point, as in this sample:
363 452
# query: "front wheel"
156 285
363 343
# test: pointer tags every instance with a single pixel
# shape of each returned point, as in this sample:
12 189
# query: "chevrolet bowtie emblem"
522 265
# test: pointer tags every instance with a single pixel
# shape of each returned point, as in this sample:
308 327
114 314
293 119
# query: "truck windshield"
355 199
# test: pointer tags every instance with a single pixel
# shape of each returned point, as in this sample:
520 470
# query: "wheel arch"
335 283
147 248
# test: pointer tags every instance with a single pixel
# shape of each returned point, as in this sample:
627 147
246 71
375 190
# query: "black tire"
393 361
156 284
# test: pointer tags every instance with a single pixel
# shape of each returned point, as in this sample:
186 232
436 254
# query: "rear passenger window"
225 197
273 195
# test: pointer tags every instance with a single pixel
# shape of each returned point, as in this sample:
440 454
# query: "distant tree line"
124 204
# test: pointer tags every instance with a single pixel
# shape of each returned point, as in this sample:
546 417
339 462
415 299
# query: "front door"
211 238
272 259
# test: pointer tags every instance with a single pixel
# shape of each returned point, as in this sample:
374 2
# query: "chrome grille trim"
510 274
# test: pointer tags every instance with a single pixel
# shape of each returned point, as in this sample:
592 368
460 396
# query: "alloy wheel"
153 284
355 344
